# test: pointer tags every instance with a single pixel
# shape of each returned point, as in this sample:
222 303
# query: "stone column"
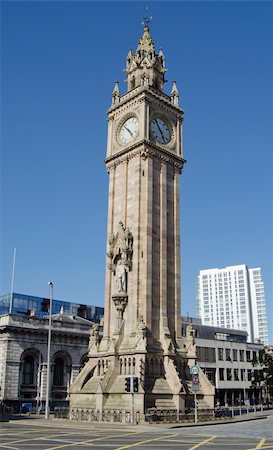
163 249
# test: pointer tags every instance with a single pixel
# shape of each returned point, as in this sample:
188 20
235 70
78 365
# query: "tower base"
164 378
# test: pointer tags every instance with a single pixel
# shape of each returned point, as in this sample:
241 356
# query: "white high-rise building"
233 297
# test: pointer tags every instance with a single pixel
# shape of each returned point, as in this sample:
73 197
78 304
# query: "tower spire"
145 67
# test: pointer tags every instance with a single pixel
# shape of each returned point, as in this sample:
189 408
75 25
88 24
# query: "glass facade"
39 307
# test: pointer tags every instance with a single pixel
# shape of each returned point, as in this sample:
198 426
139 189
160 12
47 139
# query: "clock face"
160 130
128 130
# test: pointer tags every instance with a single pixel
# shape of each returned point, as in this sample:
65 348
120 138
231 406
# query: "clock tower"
142 321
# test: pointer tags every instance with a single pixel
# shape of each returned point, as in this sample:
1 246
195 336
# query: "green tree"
266 374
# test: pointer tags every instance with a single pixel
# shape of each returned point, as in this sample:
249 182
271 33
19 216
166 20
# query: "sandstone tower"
142 322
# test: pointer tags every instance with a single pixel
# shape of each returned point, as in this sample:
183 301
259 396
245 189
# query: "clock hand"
129 131
159 129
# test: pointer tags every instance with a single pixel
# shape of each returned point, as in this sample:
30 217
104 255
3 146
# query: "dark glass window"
221 374
45 305
206 354
220 354
229 374
28 370
58 377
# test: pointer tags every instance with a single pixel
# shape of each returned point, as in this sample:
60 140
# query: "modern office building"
28 305
233 297
226 358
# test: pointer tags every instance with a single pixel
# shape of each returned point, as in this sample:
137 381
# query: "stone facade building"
23 358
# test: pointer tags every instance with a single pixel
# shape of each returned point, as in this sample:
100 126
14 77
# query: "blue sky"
59 64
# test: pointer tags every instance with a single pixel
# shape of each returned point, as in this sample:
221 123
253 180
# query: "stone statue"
190 334
120 245
94 334
120 276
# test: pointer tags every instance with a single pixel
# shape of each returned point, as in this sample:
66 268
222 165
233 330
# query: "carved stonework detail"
120 301
190 343
155 153
94 338
120 256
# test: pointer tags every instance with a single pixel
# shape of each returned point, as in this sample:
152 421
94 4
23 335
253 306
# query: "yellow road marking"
202 443
136 444
261 443
93 440
263 448
60 434
22 432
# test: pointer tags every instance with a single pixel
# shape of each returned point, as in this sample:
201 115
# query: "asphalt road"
53 435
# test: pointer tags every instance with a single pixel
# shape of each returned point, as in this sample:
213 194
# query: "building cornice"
147 92
145 149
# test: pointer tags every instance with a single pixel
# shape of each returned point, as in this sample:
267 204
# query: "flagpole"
12 282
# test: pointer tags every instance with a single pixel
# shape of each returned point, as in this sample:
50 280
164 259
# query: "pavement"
240 418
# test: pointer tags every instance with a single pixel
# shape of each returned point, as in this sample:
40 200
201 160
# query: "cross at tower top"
147 19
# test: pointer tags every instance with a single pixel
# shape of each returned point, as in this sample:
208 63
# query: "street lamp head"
50 283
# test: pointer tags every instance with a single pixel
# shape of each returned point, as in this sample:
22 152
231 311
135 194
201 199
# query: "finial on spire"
115 94
147 19
174 94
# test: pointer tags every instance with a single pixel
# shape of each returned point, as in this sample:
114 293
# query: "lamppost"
50 284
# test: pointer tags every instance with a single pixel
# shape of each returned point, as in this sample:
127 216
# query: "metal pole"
48 350
133 399
12 282
38 397
133 408
244 388
195 407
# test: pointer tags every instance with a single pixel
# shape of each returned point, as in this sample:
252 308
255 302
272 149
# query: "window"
45 305
248 356
242 355
28 370
243 374
236 374
220 354
249 375
229 374
221 374
234 354
228 358
58 377
206 354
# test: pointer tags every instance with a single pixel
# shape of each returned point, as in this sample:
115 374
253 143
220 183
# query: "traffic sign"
195 379
194 370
